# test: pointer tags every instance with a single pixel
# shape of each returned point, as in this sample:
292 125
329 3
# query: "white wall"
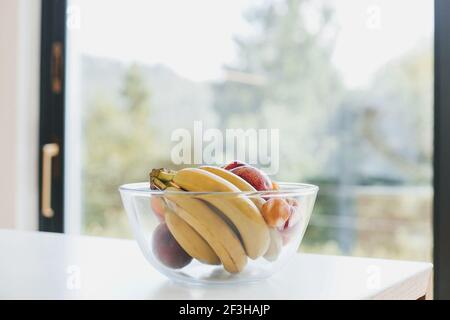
8 99
19 102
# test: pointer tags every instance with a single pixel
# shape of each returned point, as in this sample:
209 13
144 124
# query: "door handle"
56 67
49 151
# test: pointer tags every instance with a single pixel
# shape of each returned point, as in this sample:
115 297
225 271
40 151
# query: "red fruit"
234 164
158 205
167 249
294 224
258 179
295 214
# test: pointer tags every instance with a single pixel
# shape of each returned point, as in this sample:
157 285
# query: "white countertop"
37 265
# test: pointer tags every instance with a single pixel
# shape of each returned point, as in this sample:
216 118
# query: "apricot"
276 212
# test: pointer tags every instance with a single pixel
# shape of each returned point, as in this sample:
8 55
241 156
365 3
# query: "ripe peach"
258 179
276 212
234 164
167 249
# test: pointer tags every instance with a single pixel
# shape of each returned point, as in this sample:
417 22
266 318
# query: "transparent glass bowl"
220 229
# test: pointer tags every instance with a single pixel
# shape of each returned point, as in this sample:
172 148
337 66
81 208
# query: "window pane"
347 83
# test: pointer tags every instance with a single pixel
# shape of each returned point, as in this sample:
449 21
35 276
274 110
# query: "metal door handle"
49 151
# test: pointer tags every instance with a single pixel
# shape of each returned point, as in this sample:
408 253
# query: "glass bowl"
218 237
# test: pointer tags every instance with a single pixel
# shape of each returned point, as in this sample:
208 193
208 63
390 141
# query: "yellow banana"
240 210
189 239
237 181
212 228
275 246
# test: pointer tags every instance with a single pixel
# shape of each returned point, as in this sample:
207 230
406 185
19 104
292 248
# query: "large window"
349 84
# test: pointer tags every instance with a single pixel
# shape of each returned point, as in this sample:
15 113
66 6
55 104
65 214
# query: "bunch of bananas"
216 228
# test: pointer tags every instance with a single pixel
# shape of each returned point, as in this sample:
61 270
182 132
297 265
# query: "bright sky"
195 37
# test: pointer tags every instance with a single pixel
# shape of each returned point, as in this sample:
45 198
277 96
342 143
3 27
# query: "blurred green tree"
284 78
118 147
403 89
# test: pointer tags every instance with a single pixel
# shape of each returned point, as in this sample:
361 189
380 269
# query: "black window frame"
52 107
52 121
441 177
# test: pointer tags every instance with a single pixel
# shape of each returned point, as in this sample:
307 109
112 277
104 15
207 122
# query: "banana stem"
157 183
162 178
